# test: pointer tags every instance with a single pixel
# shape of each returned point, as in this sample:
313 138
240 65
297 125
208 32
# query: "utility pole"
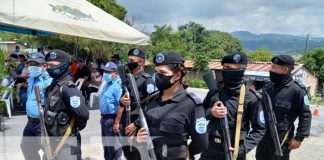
307 38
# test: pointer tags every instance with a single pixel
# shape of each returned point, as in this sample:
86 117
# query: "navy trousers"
110 140
30 143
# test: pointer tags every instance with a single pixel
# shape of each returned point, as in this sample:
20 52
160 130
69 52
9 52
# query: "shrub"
197 83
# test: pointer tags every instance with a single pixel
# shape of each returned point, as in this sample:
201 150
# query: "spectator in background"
116 59
73 66
95 82
17 51
82 72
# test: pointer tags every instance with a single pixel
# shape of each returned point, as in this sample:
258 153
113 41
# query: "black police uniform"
173 121
145 86
252 125
252 118
289 101
63 102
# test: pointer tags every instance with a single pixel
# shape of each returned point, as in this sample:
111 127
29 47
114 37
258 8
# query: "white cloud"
296 17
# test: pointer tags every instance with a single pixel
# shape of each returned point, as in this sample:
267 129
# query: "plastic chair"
7 98
96 94
79 83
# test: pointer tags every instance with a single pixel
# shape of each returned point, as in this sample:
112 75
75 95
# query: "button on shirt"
42 82
110 96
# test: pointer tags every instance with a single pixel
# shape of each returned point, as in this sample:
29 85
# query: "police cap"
235 58
284 60
170 57
137 52
57 55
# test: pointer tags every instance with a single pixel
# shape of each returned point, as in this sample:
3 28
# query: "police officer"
174 114
30 144
229 92
289 101
109 102
145 85
64 108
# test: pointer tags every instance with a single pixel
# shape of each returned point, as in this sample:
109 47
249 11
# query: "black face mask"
58 71
163 82
277 78
132 65
233 78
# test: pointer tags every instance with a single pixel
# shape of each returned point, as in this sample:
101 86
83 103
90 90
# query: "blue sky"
297 17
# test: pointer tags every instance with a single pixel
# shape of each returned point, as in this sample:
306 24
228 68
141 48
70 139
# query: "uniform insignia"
150 88
261 117
159 58
306 101
237 58
276 60
53 55
136 52
75 101
201 125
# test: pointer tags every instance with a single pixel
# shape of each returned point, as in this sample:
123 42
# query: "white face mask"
97 74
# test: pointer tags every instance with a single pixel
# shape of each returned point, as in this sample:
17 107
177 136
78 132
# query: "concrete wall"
310 80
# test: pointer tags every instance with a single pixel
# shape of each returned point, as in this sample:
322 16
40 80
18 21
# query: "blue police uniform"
109 102
30 144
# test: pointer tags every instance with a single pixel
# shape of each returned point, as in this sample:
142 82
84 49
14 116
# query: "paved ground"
91 141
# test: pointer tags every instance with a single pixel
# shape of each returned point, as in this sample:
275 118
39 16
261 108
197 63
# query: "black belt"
33 119
105 116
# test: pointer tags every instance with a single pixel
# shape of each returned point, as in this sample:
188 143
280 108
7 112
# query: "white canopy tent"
67 17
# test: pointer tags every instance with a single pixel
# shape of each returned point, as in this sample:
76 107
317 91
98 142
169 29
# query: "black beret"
137 52
236 58
284 60
57 55
170 57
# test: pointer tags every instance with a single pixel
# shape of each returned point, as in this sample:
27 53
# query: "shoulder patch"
195 98
75 101
306 100
146 75
201 125
150 88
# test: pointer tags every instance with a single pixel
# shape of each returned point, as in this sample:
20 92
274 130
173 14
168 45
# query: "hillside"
278 43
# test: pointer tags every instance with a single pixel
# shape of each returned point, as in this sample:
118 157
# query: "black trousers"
131 153
266 151
215 151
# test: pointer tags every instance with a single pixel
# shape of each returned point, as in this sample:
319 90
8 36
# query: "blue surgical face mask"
107 77
35 71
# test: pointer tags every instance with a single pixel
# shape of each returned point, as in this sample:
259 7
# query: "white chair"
7 98
96 94
79 83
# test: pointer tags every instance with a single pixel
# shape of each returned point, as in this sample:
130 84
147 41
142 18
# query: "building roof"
253 68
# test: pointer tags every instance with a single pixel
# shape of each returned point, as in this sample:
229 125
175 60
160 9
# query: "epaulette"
70 84
146 75
300 85
256 93
195 98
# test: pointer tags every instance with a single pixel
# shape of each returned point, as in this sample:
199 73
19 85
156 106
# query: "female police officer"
174 114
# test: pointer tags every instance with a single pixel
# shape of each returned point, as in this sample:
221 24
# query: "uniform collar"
114 80
62 80
178 95
139 74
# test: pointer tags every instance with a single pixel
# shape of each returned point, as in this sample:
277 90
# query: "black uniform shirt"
252 117
172 121
73 103
290 101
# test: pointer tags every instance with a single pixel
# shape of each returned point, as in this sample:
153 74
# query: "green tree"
314 61
111 7
261 54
